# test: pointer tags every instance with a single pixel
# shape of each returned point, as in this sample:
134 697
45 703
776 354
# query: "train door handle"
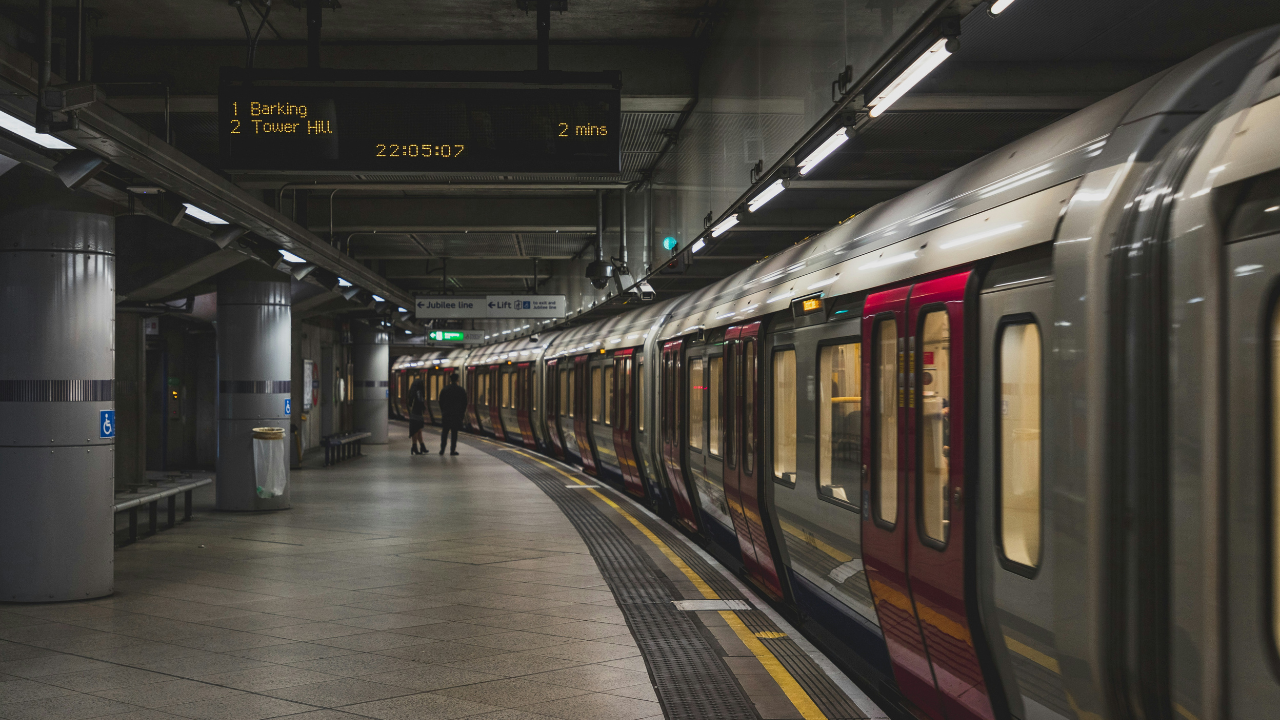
958 496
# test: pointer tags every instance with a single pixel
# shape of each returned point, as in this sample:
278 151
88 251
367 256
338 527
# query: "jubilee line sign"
537 307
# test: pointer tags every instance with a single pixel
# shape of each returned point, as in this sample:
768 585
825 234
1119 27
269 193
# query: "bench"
340 447
151 495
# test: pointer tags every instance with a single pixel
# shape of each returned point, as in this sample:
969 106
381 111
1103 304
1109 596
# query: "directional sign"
544 307
452 336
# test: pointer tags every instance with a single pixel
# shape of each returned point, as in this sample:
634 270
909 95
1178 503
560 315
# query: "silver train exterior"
1061 500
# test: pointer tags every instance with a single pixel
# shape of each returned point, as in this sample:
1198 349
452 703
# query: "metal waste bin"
270 469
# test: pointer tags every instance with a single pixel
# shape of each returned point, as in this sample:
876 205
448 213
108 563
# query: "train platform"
496 584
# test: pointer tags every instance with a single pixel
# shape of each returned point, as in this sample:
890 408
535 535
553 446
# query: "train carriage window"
749 364
715 407
572 390
597 397
784 416
884 383
533 389
639 400
697 394
840 422
565 407
935 426
1018 417
608 395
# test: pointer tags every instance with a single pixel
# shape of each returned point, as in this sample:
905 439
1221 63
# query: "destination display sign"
370 128
541 307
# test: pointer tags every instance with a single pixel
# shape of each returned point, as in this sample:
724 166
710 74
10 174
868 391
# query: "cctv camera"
646 291
534 338
599 272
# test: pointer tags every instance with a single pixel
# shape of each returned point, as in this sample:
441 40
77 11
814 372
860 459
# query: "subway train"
1005 446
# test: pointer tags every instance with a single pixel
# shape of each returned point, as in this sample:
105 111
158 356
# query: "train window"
749 406
533 390
639 399
608 395
840 422
697 395
715 408
784 416
573 392
935 426
597 397
1019 420
884 383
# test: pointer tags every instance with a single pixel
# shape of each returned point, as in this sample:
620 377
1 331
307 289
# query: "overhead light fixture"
28 133
917 71
769 193
343 282
724 226
999 6
840 137
400 309
378 299
203 215
698 245
291 257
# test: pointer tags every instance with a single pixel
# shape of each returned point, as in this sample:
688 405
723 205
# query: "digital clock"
286 121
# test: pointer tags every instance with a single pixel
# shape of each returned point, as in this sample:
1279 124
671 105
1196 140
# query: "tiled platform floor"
396 587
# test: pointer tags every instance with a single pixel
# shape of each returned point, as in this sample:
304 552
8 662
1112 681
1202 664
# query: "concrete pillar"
57 377
371 360
253 377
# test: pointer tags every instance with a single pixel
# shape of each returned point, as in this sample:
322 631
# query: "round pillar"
57 382
371 356
253 378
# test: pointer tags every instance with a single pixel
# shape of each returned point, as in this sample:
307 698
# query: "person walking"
417 411
453 406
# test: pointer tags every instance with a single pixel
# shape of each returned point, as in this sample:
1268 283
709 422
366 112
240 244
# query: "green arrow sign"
447 335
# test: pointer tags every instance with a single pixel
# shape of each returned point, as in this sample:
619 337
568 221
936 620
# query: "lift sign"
107 424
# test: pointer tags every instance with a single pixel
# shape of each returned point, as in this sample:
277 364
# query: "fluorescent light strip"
768 194
999 6
835 141
28 133
723 227
290 257
378 299
918 70
698 245
981 236
342 282
204 215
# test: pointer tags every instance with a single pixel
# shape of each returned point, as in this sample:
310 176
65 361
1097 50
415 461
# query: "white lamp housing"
290 257
769 193
918 70
203 215
724 226
835 141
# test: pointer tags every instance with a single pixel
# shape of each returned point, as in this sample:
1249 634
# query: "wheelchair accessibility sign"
107 424
288 405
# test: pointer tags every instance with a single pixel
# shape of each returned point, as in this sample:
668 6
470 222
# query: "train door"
524 403
743 454
915 543
646 465
569 410
553 406
672 430
582 414
473 398
623 422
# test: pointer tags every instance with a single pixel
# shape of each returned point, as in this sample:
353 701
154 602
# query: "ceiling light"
378 299
724 226
769 193
400 309
291 257
28 133
343 283
698 245
999 6
839 138
203 215
923 65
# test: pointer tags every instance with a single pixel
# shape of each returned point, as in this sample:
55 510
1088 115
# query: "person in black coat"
417 411
453 407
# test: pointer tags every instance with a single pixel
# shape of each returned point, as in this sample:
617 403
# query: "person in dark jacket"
453 406
417 411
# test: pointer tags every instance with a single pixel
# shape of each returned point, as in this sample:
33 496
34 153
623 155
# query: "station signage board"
384 123
527 307
451 336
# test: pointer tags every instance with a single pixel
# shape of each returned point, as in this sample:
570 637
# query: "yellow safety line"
796 694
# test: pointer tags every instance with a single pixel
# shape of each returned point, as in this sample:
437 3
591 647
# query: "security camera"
646 291
534 338
599 273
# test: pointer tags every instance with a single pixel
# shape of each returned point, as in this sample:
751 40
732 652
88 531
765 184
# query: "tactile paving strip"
689 677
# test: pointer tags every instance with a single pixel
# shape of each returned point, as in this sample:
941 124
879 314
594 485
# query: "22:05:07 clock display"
332 128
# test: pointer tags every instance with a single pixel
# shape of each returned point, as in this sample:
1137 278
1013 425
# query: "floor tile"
339 692
424 706
271 677
595 706
423 677
596 678
63 707
22 690
355 664
240 707
511 693
161 695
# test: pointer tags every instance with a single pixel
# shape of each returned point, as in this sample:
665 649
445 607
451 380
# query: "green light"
447 336
669 243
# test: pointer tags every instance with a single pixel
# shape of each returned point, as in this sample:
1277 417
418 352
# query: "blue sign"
107 424
288 403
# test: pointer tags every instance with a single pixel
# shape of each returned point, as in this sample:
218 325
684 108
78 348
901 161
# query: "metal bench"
151 495
340 447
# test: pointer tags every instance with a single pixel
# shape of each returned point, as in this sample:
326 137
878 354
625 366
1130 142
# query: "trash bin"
271 473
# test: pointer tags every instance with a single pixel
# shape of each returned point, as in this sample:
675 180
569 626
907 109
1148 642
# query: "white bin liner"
270 472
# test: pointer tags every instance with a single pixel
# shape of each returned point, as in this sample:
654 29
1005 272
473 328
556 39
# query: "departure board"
381 128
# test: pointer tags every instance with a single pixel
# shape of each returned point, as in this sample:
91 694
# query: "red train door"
551 408
744 453
914 542
623 427
671 426
495 401
473 417
582 413
524 403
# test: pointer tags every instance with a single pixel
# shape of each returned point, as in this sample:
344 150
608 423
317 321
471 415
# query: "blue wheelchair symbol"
288 403
107 424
